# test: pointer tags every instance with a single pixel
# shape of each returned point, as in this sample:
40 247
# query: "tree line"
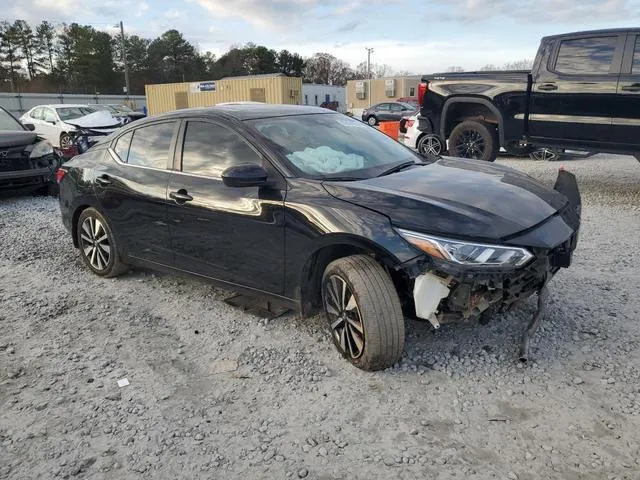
74 58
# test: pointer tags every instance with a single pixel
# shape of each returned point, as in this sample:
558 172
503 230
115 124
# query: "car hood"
457 198
99 119
17 138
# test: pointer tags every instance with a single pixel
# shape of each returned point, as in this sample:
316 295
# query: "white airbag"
325 160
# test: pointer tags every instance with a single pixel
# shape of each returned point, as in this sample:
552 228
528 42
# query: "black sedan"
319 211
26 160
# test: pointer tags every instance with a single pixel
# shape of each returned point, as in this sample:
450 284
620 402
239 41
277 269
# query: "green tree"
259 59
27 45
326 69
10 56
174 59
231 64
290 64
46 37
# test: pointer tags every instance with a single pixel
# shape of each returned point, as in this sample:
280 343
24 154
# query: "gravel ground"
217 393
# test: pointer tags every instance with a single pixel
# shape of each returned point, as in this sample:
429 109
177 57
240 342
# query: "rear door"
132 190
626 121
572 96
234 234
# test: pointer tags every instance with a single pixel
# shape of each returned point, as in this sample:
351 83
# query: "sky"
419 36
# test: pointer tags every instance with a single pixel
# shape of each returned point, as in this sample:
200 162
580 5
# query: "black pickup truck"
583 93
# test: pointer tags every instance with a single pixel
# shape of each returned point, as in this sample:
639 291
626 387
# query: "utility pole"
369 52
124 60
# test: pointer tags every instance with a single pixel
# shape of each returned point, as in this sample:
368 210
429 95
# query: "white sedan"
58 123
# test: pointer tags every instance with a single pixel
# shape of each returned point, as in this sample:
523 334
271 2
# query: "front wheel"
66 142
97 244
476 140
364 312
430 144
373 121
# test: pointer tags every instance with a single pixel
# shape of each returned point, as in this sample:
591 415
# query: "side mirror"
30 126
247 175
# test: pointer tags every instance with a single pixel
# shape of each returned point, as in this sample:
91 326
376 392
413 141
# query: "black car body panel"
18 169
582 93
454 197
276 237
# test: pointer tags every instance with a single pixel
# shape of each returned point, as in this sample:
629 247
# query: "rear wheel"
364 312
430 144
473 139
97 243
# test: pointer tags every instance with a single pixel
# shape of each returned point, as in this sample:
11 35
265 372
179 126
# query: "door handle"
103 180
634 87
548 87
181 196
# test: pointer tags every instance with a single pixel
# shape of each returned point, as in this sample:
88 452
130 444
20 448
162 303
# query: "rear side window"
383 106
636 57
209 149
37 113
150 146
586 56
122 146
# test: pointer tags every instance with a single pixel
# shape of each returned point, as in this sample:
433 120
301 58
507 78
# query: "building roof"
262 75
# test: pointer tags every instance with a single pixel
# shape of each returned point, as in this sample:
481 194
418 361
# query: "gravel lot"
217 393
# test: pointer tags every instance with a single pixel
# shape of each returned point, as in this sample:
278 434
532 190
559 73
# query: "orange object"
390 128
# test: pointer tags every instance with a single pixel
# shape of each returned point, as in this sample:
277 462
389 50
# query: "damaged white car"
60 123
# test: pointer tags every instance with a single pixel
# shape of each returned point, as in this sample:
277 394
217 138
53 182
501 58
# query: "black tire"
100 256
472 139
430 144
515 149
65 139
372 120
375 307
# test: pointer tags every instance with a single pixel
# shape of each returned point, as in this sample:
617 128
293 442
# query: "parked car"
122 113
583 93
386 111
58 123
425 143
26 159
318 211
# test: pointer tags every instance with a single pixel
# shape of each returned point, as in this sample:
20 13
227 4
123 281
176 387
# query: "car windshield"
332 146
71 113
8 122
107 108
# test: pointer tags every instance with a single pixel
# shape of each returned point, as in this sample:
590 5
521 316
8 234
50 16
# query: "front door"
626 120
132 190
234 234
49 126
572 96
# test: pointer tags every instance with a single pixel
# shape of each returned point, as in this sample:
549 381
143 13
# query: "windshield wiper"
397 168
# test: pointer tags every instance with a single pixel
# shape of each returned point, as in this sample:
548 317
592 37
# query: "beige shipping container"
276 88
360 96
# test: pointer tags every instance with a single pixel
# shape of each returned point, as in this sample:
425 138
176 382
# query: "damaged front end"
464 281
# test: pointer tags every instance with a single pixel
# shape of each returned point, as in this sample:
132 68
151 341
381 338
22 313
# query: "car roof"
593 32
247 111
62 105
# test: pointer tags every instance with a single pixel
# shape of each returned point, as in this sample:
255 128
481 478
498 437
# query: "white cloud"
173 14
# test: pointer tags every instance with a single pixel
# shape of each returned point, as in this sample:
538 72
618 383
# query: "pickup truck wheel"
472 139
430 144
364 312
373 121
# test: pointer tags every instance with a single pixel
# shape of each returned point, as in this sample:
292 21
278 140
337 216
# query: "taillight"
60 174
409 123
422 90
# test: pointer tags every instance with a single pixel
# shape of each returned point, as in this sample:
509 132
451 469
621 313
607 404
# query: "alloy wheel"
470 144
544 154
344 316
95 244
66 142
372 121
431 145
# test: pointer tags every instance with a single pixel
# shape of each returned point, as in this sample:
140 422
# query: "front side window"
383 107
635 69
586 56
151 146
209 149
326 146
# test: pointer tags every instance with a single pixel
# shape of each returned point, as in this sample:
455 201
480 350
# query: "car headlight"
467 253
41 149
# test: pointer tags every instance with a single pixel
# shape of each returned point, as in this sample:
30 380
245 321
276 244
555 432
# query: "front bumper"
24 176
